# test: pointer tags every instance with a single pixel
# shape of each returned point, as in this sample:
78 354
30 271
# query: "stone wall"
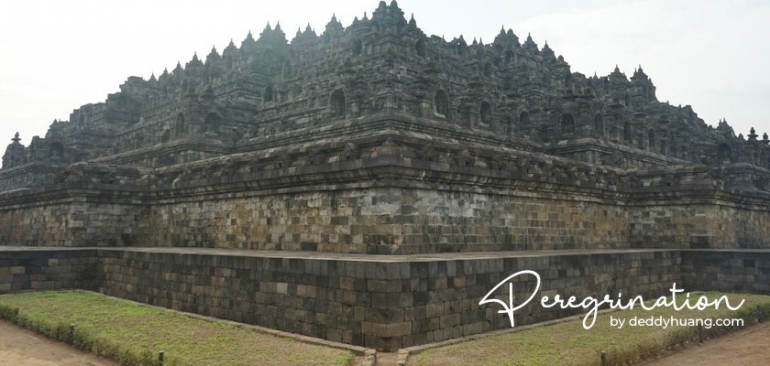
715 225
727 270
23 269
389 221
384 302
70 218
374 302
388 193
28 175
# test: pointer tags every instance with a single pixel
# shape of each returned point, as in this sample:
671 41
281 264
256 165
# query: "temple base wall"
38 269
390 221
370 301
72 221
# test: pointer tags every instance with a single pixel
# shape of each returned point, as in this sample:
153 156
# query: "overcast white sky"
59 55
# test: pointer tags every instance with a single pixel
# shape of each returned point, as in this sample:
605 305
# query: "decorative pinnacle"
752 134
16 138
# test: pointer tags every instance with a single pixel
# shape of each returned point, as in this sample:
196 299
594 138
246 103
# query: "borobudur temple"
370 184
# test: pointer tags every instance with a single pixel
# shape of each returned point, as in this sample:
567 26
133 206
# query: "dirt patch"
21 347
747 347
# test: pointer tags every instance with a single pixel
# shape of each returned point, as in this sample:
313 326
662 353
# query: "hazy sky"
59 55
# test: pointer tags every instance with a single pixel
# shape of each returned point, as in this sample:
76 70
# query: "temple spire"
753 134
16 138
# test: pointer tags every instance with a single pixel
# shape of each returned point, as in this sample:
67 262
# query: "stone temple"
369 184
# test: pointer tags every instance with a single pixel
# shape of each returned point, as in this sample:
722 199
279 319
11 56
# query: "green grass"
568 343
132 334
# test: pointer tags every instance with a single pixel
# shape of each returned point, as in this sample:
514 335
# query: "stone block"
391 330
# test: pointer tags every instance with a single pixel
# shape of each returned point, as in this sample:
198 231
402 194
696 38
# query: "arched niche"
485 112
56 151
212 123
524 122
462 49
724 153
567 125
651 140
441 104
508 57
337 104
358 47
180 128
627 132
419 46
598 125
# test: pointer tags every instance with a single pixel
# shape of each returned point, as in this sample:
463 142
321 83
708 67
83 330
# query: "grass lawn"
133 334
568 343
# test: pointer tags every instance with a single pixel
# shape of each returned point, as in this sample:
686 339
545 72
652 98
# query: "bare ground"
21 347
746 347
